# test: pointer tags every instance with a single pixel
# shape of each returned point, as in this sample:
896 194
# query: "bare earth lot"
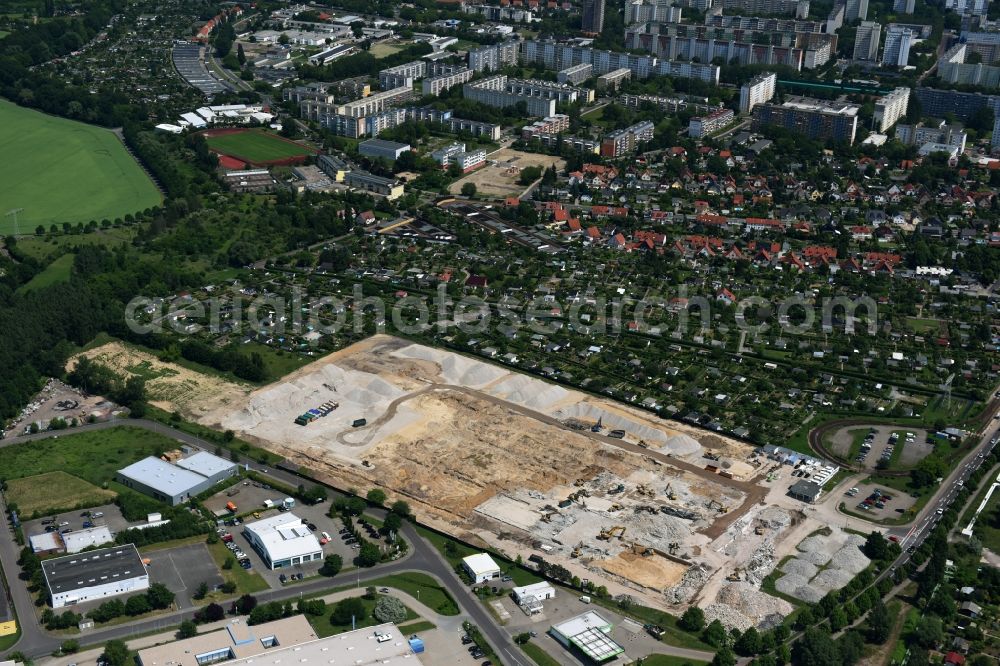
500 179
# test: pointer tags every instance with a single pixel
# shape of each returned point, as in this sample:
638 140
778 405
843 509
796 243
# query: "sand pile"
664 439
455 369
531 393
682 445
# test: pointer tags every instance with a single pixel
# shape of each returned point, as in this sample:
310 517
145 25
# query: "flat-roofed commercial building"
209 465
282 642
589 634
283 540
163 481
236 641
390 150
96 574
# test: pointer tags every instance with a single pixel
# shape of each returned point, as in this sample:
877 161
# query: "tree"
816 648
246 604
137 605
749 643
240 56
376 496
210 613
929 632
346 609
468 189
70 646
187 629
715 634
692 620
159 596
401 508
876 547
332 564
522 638
369 555
202 591
389 609
724 657
116 653
879 624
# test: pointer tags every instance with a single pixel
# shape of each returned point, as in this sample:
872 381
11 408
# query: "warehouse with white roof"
176 484
283 541
481 567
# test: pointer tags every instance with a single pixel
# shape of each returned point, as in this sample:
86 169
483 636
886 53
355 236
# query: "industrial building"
481 567
866 41
236 641
369 182
700 126
530 597
759 90
575 74
176 484
96 574
814 119
79 540
327 56
590 635
283 540
805 491
390 150
890 108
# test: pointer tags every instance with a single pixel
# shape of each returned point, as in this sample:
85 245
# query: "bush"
70 646
390 609
332 564
187 629
692 620
347 609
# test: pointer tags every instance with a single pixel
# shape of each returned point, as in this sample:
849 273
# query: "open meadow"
59 170
54 491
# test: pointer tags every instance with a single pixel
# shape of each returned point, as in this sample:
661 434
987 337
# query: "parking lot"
112 518
183 569
313 515
886 446
893 507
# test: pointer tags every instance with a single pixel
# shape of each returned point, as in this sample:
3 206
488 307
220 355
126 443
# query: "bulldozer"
735 576
576 551
643 489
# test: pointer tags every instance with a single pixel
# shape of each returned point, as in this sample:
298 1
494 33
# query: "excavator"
616 531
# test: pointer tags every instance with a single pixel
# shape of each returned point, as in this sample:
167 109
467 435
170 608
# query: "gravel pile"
799 587
800 567
760 564
831 579
850 559
693 580
774 518
742 605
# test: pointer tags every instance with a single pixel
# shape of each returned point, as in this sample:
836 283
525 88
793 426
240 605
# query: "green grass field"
254 146
95 456
538 655
54 491
54 273
60 170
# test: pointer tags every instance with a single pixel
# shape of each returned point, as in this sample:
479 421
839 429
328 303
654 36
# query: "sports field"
54 491
255 146
60 170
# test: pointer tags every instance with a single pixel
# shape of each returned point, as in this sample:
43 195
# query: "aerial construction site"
656 509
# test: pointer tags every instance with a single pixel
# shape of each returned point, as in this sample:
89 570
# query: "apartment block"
613 80
493 57
644 11
682 69
492 91
366 106
814 119
938 133
557 56
758 90
938 103
592 16
866 41
574 143
856 9
474 127
315 92
890 108
436 85
713 122
457 154
952 68
624 141
898 40
551 125
402 75
669 104
575 74
798 8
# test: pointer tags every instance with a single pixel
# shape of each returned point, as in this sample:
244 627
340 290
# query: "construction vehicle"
576 551
718 506
670 493
673 547
643 489
643 444
616 507
620 488
616 531
758 530
599 426
735 576
579 482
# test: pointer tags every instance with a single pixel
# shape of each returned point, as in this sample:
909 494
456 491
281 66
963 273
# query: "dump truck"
231 506
359 422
